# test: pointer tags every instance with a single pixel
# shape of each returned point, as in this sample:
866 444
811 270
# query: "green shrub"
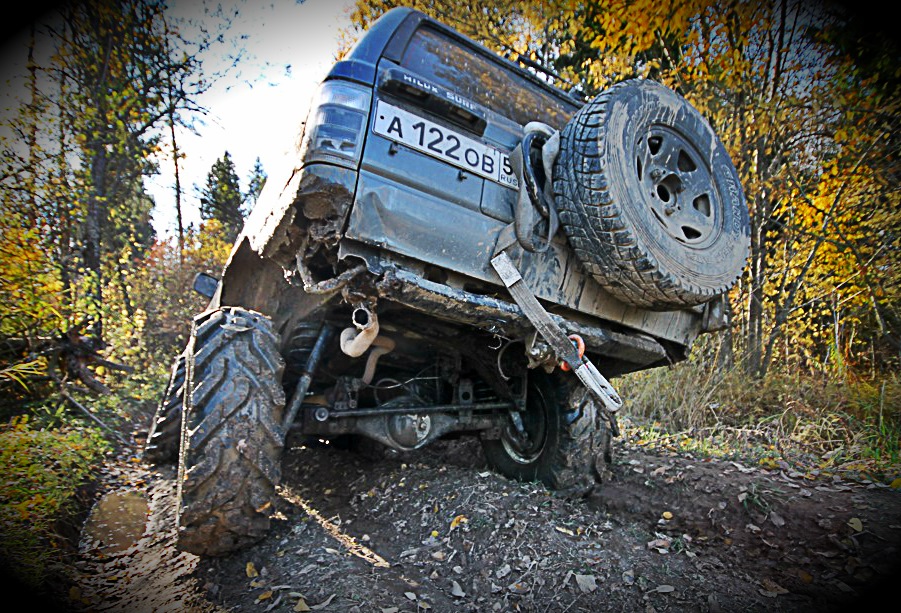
42 470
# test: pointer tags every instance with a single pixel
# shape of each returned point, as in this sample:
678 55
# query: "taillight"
337 123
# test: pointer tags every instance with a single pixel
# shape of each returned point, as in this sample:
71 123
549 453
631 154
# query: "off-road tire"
649 198
232 436
570 444
165 430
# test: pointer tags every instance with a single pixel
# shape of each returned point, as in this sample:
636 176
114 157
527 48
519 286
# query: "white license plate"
447 145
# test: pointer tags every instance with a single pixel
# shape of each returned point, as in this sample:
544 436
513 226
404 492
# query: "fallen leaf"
390 609
844 587
518 588
777 519
771 586
439 555
503 571
664 589
301 606
856 524
324 603
251 570
257 583
564 530
586 583
410 595
662 545
667 515
264 596
459 519
896 483
456 590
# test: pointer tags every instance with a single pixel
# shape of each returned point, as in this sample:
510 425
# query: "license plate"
447 145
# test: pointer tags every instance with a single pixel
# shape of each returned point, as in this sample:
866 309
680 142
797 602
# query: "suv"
463 249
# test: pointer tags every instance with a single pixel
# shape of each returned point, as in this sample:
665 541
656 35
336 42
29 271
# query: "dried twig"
87 412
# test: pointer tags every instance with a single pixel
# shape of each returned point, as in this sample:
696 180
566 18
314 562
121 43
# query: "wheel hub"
677 185
524 438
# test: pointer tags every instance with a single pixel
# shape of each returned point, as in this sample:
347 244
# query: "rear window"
459 69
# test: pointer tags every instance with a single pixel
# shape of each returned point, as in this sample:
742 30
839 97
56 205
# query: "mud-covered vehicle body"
461 249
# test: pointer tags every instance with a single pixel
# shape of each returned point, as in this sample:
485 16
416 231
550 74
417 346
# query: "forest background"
94 304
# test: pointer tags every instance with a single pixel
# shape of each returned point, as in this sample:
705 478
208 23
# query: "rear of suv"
461 250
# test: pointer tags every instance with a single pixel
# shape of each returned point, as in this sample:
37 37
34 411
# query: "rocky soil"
436 530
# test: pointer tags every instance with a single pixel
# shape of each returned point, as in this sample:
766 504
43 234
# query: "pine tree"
222 198
255 183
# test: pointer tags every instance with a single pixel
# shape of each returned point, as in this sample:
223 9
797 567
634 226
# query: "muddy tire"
649 198
165 429
568 443
232 436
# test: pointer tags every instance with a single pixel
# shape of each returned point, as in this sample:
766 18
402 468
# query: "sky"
257 111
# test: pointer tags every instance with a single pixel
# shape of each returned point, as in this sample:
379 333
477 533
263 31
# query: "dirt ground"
436 530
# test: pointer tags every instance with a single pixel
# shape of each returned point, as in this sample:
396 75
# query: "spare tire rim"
527 447
677 185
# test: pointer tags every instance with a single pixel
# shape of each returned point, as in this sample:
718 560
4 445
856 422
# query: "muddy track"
435 530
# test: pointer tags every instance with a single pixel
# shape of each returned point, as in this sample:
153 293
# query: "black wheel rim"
677 186
526 447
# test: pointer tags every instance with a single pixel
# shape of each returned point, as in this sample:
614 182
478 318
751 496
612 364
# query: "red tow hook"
580 347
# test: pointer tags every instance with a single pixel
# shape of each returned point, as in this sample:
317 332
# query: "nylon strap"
596 383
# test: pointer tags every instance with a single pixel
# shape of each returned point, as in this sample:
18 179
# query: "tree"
806 101
255 183
76 217
221 198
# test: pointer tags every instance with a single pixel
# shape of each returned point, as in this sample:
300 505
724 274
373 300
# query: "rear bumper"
507 319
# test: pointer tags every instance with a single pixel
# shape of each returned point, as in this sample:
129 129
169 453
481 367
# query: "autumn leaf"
457 521
251 570
586 583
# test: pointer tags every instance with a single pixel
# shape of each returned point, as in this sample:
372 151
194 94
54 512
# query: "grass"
43 469
812 424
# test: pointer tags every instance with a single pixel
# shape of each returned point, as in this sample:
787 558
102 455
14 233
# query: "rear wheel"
564 441
232 436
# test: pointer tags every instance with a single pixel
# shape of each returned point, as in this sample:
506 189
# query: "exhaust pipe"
355 341
383 345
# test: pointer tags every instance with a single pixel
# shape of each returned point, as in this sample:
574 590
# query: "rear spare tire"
649 198
232 436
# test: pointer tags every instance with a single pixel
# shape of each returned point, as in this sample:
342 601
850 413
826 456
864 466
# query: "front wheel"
165 429
563 439
232 435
